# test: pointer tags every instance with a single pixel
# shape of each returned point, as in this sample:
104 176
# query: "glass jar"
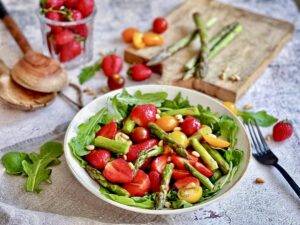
70 42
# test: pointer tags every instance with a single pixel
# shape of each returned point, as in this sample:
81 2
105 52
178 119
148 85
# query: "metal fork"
264 155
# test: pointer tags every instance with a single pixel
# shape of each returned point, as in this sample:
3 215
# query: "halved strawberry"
146 164
179 174
98 158
203 169
155 181
109 130
179 161
118 171
159 163
185 181
140 185
134 150
143 114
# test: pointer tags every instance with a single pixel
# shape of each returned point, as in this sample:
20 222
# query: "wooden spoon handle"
14 29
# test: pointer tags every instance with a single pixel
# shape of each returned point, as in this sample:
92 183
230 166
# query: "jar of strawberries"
67 30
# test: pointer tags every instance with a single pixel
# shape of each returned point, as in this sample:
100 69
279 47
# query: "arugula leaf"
208 117
180 204
86 135
12 162
37 170
234 155
228 129
177 103
88 72
121 109
262 118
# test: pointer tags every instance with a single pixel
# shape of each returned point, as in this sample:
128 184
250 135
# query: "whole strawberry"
282 130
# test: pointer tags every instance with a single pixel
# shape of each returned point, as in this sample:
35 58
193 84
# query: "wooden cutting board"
247 56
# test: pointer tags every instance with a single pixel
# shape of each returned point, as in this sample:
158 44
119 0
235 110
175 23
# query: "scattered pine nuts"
168 205
161 143
90 92
222 76
125 157
268 137
234 78
177 129
157 116
104 89
90 147
247 106
125 136
259 181
158 111
196 154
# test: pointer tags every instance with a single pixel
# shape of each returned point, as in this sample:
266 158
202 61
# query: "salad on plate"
151 152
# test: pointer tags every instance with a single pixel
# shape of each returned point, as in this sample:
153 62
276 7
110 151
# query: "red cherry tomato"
134 150
155 181
203 169
159 163
109 130
190 125
71 3
140 134
98 158
111 64
160 25
69 51
185 181
86 7
64 37
115 82
143 114
179 174
139 72
140 185
54 4
118 171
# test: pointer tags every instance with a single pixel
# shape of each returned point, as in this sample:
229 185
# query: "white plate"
194 98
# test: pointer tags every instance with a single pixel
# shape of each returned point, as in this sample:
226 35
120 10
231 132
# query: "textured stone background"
277 91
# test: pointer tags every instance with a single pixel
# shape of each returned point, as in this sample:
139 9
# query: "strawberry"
179 161
143 114
71 3
155 180
159 163
134 150
190 125
98 158
140 185
118 171
139 72
282 130
115 82
109 130
86 7
179 174
185 181
69 51
112 64
203 169
64 37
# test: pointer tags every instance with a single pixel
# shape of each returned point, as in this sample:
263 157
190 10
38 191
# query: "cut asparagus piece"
203 179
191 111
223 165
115 146
202 59
217 175
128 126
144 155
99 178
205 156
204 130
161 134
175 47
164 187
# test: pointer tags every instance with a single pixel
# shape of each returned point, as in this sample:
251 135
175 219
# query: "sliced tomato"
159 163
203 169
118 171
98 158
185 181
134 150
155 181
143 114
179 174
140 185
109 130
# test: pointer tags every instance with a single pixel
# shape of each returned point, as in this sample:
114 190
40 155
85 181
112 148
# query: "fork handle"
288 178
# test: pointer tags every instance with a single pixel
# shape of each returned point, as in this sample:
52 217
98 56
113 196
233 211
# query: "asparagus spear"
217 175
202 59
97 176
191 111
128 126
224 166
161 134
203 179
205 156
164 187
182 43
114 146
145 155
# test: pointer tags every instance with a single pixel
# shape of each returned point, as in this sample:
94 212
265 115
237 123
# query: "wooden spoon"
34 71
18 97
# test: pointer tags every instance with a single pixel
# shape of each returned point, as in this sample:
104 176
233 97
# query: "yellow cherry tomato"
190 193
204 130
153 39
231 107
180 138
127 34
138 40
167 123
213 141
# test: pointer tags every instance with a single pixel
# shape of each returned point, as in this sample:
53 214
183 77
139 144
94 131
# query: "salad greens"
262 118
228 129
177 103
34 166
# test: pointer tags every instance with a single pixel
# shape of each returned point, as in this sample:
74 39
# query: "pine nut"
90 147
